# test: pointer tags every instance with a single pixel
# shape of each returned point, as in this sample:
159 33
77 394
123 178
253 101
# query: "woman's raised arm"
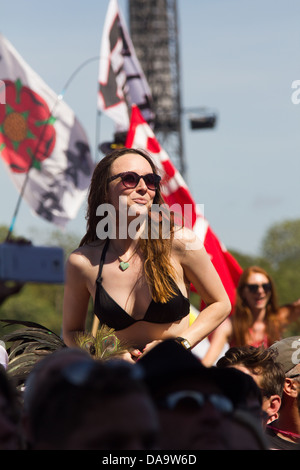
199 270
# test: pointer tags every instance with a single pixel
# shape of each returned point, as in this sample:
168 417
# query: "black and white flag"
121 80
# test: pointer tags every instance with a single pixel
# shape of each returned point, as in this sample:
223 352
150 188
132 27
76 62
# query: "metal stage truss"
154 33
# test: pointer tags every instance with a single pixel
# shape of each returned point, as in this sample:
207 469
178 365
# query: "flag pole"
58 99
97 133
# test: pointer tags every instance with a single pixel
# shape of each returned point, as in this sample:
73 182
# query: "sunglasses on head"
196 400
130 179
253 288
85 372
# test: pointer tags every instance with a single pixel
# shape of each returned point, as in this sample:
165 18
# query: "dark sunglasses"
196 400
253 288
87 372
130 179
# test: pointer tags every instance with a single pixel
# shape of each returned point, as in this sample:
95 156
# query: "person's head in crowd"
264 369
256 295
287 353
287 427
89 404
100 193
10 412
49 364
196 399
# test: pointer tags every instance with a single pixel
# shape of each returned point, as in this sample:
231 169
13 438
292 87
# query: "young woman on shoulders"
137 274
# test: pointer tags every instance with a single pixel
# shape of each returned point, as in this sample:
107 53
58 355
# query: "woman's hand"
131 356
151 345
135 354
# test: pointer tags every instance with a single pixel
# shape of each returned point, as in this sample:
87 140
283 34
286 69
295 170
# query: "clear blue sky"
239 58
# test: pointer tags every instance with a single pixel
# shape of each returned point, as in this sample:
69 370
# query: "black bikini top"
114 316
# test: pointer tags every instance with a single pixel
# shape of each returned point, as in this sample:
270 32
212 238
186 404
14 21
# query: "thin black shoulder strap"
102 259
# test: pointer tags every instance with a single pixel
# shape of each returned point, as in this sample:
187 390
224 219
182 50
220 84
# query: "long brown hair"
242 319
156 251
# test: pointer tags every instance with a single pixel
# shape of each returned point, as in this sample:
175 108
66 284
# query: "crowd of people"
167 400
157 393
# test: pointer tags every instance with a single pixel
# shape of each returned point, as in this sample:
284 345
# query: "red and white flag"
121 79
175 191
41 142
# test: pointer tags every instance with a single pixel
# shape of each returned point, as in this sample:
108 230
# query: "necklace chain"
121 259
124 264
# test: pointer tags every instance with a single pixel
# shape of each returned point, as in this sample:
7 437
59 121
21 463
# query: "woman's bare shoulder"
185 240
85 256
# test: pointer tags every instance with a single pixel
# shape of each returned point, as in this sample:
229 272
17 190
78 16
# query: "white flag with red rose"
175 191
41 139
121 78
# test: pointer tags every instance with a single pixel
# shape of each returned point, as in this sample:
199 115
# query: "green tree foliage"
282 242
247 260
281 247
